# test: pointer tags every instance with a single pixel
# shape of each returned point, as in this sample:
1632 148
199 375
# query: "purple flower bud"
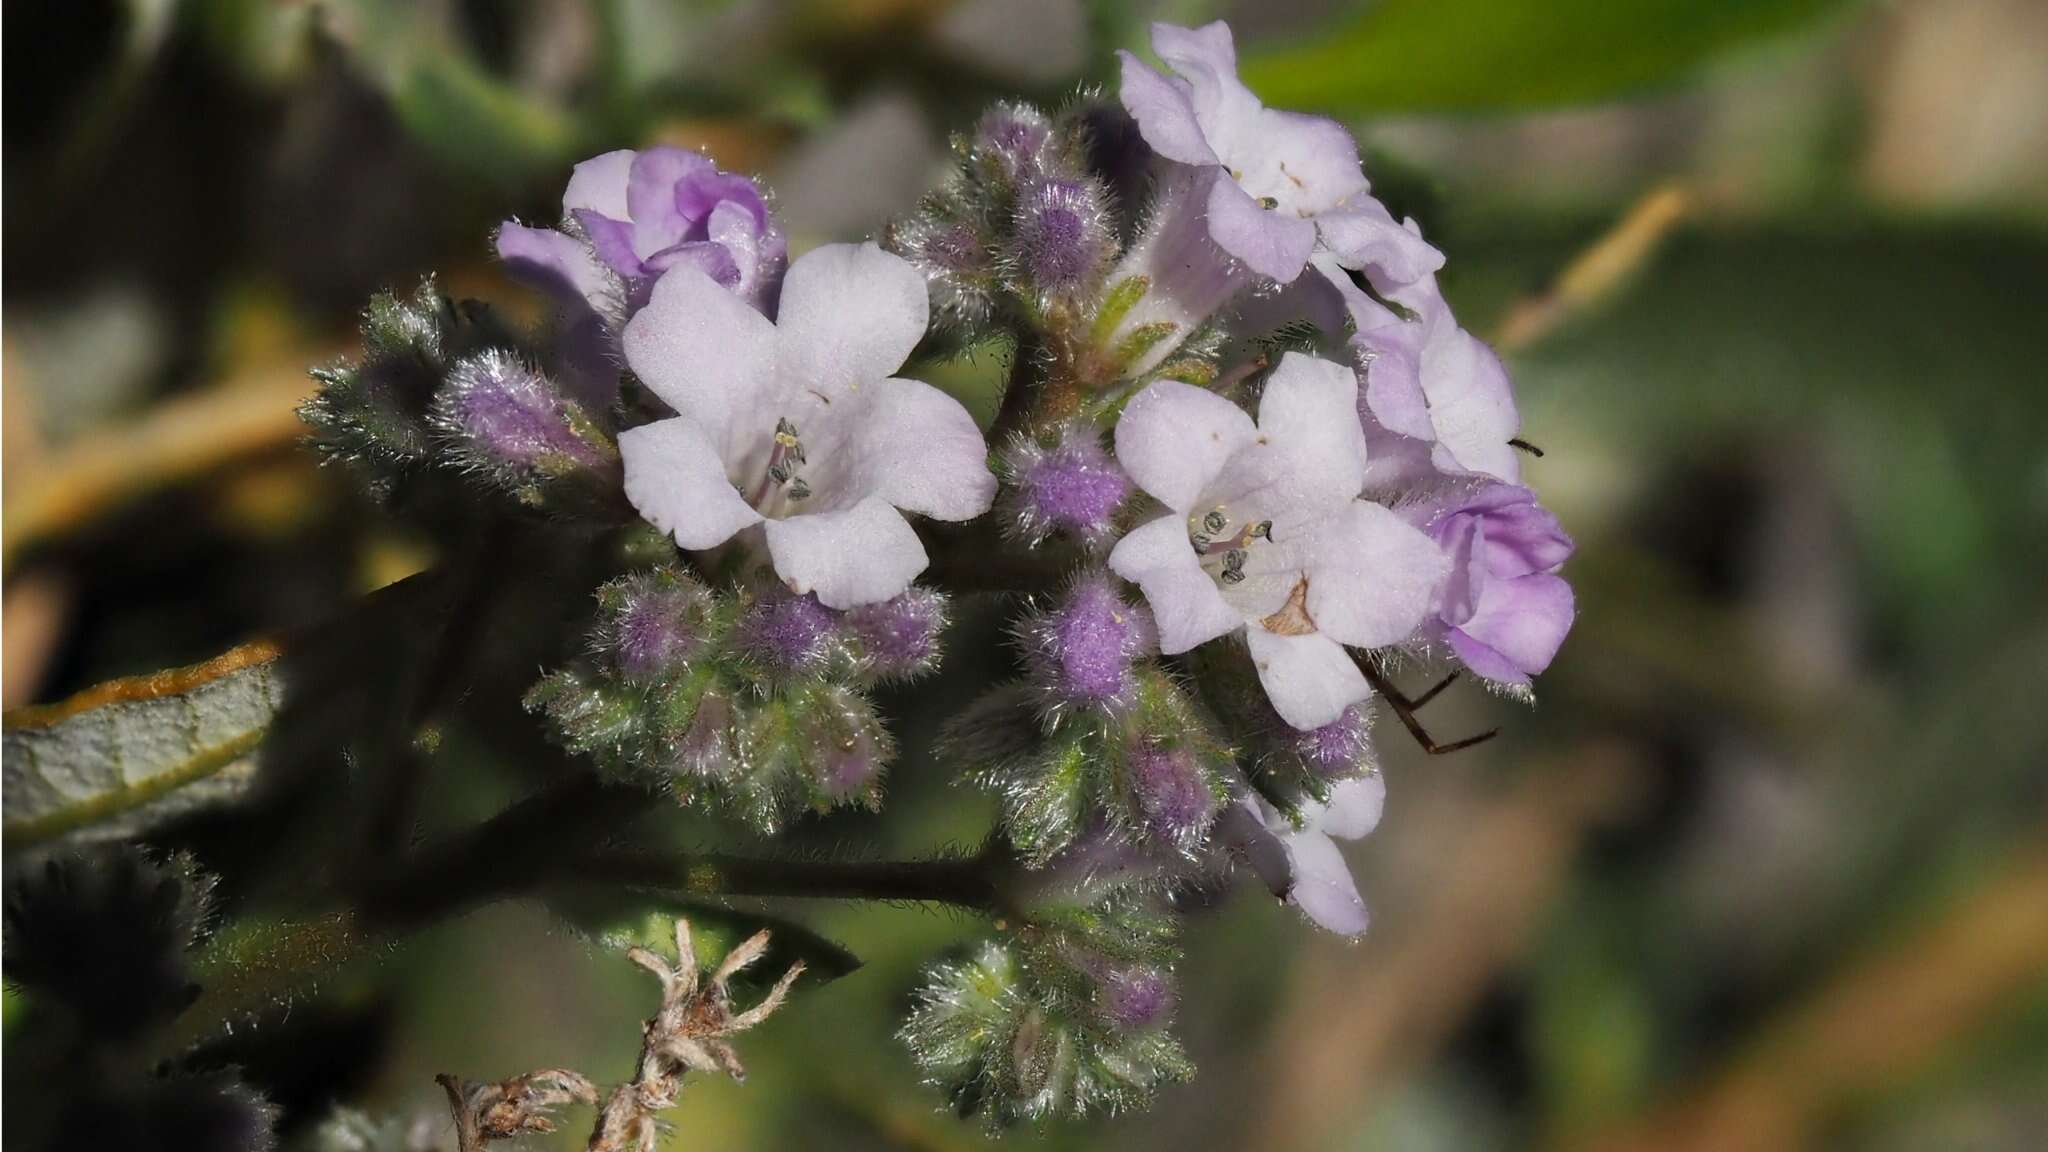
899 638
1340 749
952 247
1504 610
658 624
1135 996
1071 485
511 421
1065 236
847 747
788 633
1173 795
1081 652
1013 138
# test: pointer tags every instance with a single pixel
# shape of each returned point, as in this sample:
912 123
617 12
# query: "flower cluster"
1247 460
752 702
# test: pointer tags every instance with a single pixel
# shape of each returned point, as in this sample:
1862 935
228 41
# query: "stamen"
784 458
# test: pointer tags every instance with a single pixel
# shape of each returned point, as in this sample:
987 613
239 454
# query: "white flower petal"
1471 404
1174 438
861 555
850 315
1354 808
1323 888
917 448
599 185
1185 602
677 481
1371 576
1309 678
1308 418
703 350
1164 112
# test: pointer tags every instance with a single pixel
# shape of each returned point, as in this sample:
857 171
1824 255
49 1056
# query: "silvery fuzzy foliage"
752 701
1064 1017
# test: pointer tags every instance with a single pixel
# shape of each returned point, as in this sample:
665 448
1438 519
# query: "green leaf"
131 753
1475 55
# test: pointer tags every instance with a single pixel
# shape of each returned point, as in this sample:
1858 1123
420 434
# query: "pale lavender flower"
1435 399
1081 652
1273 183
1503 610
1300 862
795 425
1266 533
899 637
1065 482
631 216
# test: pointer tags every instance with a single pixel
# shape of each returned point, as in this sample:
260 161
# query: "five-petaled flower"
797 425
1266 532
1279 180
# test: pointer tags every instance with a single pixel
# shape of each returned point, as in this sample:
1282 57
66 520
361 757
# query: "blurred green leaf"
1475 55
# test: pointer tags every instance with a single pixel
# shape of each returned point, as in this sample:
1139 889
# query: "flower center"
785 464
1224 544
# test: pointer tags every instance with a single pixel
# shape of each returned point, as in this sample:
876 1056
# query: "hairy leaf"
122 756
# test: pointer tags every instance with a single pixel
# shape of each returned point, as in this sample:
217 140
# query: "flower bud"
788 634
1133 996
1082 651
510 422
1173 795
1011 141
1069 484
899 639
658 622
1065 237
950 241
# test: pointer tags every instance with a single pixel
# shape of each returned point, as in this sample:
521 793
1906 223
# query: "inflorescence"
1247 460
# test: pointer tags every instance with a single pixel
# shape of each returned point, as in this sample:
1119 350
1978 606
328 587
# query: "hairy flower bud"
510 423
1081 652
658 621
1011 140
1133 996
951 242
1174 795
788 634
1065 483
899 639
1065 237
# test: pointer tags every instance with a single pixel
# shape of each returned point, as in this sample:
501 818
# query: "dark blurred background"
1767 866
